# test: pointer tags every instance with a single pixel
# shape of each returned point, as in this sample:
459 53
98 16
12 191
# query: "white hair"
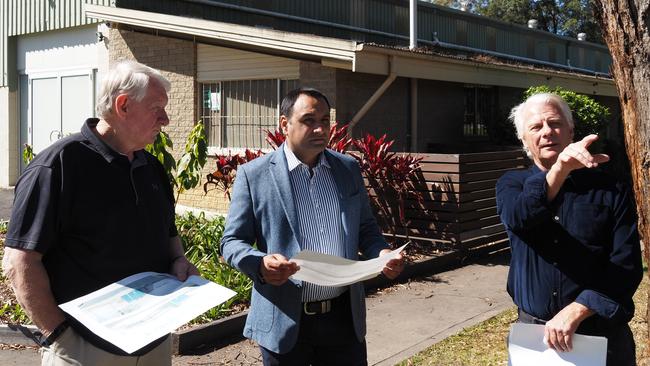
130 78
518 112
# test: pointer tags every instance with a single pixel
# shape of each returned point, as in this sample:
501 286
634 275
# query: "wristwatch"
56 333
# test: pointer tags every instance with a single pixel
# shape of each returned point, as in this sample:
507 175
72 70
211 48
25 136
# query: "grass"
485 344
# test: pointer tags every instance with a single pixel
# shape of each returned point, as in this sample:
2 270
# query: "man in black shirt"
576 258
92 209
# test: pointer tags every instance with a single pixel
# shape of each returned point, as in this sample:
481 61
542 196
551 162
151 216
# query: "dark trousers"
324 339
621 350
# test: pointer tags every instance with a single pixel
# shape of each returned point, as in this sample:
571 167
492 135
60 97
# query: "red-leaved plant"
224 176
339 139
390 178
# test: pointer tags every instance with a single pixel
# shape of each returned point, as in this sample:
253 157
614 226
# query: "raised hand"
577 156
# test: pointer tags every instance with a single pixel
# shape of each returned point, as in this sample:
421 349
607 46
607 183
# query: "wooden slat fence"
458 211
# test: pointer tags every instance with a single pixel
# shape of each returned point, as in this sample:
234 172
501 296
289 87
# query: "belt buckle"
325 307
304 307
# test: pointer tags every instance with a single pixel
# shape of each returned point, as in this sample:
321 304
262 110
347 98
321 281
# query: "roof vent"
532 23
582 36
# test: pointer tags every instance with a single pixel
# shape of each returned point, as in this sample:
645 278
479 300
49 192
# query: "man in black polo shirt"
92 209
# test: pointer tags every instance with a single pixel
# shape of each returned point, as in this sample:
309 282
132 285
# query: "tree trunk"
625 26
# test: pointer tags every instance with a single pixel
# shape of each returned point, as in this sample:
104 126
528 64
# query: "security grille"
237 113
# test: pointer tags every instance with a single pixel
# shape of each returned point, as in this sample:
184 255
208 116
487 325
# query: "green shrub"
201 238
14 313
589 116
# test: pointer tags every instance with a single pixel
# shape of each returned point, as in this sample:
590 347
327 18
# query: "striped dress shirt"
319 216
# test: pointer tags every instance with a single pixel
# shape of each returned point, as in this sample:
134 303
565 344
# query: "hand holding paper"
526 348
276 269
328 270
394 267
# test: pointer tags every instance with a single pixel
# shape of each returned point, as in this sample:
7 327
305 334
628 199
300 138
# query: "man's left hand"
183 268
394 266
558 333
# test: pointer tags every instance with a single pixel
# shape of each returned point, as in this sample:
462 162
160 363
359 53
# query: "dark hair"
286 108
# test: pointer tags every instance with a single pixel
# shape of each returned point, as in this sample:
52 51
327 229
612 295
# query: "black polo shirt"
94 215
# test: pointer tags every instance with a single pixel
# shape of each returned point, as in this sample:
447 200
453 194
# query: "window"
237 113
478 111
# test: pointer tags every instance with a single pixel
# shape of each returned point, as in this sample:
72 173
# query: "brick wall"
388 115
176 60
315 75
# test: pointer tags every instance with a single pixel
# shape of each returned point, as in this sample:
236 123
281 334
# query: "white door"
57 106
77 101
45 122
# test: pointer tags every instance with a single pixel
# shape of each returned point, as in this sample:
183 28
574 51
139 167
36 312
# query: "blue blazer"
263 220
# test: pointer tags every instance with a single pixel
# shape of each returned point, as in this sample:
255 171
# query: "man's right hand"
576 156
275 269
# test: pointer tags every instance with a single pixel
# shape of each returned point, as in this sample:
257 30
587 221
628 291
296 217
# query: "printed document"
526 346
143 307
328 270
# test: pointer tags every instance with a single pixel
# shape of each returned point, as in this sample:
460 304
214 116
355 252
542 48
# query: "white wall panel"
75 48
223 64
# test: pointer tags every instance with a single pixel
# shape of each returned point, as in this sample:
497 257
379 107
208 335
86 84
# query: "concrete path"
406 318
6 201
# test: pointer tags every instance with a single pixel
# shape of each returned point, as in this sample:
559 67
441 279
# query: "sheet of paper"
526 347
328 270
143 307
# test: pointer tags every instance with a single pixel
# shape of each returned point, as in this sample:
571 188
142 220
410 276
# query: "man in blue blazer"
303 196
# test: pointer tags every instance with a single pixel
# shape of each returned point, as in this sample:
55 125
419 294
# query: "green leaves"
201 237
14 313
589 116
186 174
28 154
159 149
188 171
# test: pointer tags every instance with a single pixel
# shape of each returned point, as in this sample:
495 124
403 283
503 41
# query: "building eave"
227 34
351 55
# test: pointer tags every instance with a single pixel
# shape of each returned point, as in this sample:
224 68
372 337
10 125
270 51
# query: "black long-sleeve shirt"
583 246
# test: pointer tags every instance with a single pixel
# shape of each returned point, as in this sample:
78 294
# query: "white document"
143 307
328 270
526 347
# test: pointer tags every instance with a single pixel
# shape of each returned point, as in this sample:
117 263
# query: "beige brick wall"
315 75
176 60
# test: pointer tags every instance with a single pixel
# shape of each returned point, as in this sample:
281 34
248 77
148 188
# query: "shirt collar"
293 161
87 130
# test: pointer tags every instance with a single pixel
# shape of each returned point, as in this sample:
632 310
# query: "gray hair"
127 77
517 113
